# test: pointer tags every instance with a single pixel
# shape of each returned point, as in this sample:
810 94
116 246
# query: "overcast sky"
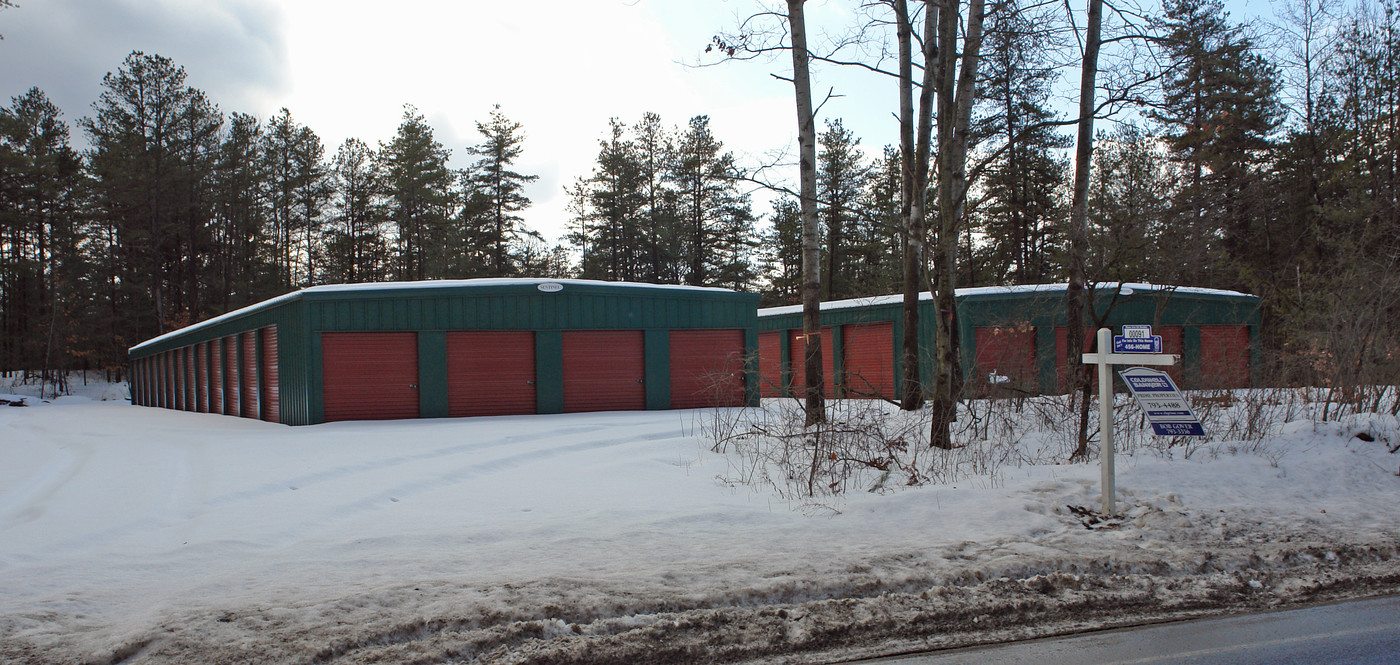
561 68
346 68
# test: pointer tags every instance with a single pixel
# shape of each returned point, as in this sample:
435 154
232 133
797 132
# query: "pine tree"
41 272
297 193
1219 110
1129 200
419 188
355 250
152 139
716 220
780 255
842 177
609 208
660 233
499 228
241 272
1020 216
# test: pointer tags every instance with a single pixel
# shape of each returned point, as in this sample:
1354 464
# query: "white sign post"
1104 358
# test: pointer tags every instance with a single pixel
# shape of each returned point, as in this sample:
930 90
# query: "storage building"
1012 338
458 348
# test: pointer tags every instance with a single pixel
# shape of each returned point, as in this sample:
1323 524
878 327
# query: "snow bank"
133 534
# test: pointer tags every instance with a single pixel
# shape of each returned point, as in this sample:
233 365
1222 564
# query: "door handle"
413 386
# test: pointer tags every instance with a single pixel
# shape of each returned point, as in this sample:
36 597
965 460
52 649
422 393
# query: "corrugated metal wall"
244 380
1183 318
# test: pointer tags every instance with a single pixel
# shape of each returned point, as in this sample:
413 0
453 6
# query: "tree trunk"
815 400
914 162
955 119
1075 295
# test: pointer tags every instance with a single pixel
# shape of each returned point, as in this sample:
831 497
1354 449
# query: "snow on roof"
896 298
424 284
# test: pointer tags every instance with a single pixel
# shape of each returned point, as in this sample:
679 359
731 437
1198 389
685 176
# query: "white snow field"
143 535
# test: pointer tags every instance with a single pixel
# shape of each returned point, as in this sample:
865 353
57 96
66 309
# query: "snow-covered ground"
142 535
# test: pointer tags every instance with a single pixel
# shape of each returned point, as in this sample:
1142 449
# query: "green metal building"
1012 338
458 348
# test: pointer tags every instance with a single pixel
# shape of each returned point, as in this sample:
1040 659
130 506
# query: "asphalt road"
1358 632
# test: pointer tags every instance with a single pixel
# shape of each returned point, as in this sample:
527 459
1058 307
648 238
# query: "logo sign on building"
1137 339
1162 403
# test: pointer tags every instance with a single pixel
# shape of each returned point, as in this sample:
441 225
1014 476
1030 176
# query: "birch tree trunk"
814 403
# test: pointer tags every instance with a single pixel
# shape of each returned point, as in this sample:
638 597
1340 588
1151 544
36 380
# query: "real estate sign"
1162 403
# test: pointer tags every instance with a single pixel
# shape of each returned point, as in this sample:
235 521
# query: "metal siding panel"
604 370
432 374
169 376
182 382
656 377
369 375
233 402
1224 356
497 318
770 363
1062 360
1003 351
272 376
799 367
201 368
249 373
707 368
491 373
216 376
1172 343
869 360
549 371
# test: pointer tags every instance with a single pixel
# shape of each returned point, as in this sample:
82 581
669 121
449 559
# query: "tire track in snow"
379 499
25 503
458 474
379 465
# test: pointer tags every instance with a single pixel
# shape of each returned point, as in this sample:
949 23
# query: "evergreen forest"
1256 157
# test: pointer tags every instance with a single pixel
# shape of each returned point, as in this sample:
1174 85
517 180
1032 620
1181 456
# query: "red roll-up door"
271 377
168 371
1171 343
216 376
707 368
490 373
770 364
1224 356
1005 357
869 360
369 376
799 367
187 360
604 370
1061 362
158 379
201 381
232 404
249 373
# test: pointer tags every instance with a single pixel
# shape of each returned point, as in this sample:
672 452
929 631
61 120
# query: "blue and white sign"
1137 339
1162 403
